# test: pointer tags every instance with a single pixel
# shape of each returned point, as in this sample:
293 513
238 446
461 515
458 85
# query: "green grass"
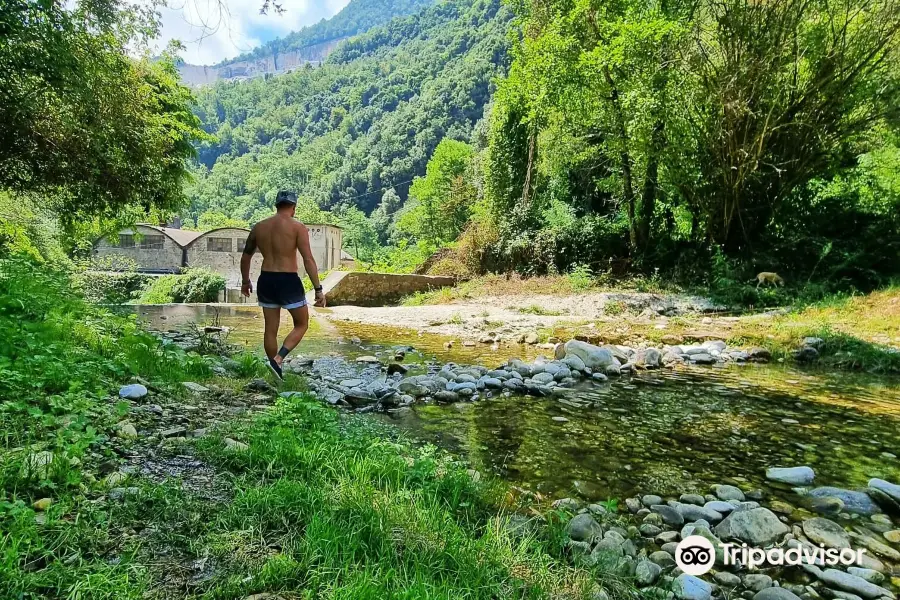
61 362
358 514
540 311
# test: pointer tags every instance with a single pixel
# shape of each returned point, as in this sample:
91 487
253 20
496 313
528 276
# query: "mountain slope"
366 120
355 18
311 44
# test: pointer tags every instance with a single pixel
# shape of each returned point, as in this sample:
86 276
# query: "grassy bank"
579 281
857 331
295 499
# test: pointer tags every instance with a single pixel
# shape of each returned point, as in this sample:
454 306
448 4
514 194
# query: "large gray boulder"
584 528
593 357
756 526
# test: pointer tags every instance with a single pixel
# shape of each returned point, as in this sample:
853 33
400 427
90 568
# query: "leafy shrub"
247 365
194 285
62 357
402 258
110 288
581 277
160 291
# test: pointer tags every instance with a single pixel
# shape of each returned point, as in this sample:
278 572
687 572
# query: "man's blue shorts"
280 290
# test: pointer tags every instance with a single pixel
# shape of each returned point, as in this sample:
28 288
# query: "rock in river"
688 587
853 584
669 515
728 492
691 512
594 357
584 528
720 506
823 531
791 475
853 502
775 593
756 526
891 489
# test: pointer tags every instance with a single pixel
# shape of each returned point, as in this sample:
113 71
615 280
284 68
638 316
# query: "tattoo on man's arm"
250 246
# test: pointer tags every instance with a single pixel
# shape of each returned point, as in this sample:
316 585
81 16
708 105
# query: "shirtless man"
279 238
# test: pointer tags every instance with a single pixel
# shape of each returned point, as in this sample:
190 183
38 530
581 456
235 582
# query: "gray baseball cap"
285 197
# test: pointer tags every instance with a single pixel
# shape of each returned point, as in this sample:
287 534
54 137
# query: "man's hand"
246 289
320 299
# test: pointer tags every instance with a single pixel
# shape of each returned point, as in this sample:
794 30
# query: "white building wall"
168 258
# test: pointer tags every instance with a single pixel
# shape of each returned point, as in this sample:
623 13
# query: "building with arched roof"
158 249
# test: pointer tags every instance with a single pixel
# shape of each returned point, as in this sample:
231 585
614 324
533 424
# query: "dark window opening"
218 244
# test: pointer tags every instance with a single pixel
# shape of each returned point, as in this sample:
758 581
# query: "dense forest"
357 17
707 140
716 137
366 121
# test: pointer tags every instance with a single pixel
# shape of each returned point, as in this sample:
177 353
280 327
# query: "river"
666 431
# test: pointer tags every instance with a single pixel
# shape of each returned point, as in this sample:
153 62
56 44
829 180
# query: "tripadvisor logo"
695 555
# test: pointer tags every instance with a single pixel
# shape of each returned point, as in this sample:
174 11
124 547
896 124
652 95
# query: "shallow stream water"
667 431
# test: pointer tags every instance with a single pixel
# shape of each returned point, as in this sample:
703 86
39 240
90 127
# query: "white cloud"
214 30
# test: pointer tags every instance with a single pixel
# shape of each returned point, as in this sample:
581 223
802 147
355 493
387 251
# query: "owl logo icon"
695 555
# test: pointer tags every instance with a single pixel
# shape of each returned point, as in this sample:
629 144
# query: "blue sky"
213 30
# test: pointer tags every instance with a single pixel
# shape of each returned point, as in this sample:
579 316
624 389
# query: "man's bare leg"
300 317
272 318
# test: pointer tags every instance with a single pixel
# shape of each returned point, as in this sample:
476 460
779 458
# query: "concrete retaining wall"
377 289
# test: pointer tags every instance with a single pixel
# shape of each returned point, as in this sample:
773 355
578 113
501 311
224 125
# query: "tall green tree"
82 124
440 202
382 216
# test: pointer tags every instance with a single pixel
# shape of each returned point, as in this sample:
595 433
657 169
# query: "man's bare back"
278 239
